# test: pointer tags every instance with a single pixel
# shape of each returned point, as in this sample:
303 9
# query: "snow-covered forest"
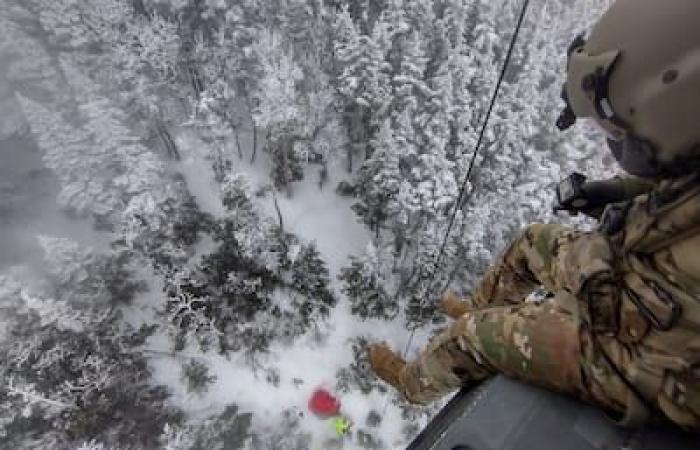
209 207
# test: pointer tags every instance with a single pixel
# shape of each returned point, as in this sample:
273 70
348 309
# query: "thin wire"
463 198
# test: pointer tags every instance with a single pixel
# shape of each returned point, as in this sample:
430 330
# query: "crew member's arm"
591 197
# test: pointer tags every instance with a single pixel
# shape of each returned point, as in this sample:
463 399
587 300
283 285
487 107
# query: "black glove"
576 195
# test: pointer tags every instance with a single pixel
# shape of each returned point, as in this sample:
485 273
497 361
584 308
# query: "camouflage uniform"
622 329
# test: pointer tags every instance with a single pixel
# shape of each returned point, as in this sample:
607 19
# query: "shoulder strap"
664 217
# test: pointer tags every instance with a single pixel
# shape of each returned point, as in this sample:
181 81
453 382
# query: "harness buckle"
656 322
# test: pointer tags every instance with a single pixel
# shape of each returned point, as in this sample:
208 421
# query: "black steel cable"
463 196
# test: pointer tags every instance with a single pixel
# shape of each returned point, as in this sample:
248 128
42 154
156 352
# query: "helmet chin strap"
636 156
600 83
567 118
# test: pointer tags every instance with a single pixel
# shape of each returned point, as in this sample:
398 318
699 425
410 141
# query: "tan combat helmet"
638 76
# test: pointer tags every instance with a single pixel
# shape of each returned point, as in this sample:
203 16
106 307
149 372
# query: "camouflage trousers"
547 343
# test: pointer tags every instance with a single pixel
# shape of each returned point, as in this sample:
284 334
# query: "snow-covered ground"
313 214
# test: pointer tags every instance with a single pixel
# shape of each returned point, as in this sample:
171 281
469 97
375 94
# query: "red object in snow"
324 404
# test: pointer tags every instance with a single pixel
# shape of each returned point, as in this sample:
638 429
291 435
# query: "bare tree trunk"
350 150
168 142
238 144
323 175
283 242
255 143
279 211
196 82
246 97
236 136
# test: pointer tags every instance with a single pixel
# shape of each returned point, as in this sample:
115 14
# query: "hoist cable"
465 193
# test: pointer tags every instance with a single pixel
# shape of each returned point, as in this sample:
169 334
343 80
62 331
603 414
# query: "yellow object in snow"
341 425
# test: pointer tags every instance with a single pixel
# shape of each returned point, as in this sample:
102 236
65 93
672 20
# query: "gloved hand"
453 306
577 195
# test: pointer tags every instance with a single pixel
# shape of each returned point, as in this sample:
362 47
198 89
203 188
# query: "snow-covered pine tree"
135 54
366 282
161 218
310 278
143 69
364 13
107 173
363 84
190 312
86 278
238 65
408 184
82 168
217 54
302 24
379 181
195 374
71 375
278 111
230 430
258 284
77 26
283 434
